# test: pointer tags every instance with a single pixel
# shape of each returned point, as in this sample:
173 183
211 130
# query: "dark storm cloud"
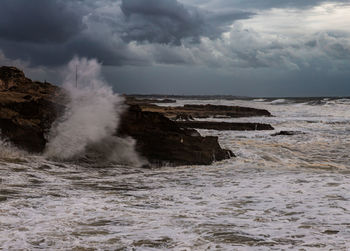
168 21
51 32
38 21
58 54
161 21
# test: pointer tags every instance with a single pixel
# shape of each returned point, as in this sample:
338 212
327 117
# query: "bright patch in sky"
326 17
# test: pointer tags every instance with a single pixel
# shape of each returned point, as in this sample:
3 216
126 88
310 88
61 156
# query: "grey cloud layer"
169 22
139 32
51 32
165 21
247 48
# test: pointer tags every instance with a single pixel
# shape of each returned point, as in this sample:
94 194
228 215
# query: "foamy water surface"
280 192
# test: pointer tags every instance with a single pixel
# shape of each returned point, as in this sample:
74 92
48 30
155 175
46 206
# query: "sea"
285 192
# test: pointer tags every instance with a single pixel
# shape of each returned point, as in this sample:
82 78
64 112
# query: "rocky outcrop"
205 111
162 141
11 77
225 126
27 109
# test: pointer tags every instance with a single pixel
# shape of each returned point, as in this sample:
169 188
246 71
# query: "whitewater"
280 192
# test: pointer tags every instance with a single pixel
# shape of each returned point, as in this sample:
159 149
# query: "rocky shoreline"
28 109
225 126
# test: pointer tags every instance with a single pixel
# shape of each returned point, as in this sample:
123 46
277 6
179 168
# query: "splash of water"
91 118
8 151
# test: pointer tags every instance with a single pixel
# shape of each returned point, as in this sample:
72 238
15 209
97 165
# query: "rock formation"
161 140
28 109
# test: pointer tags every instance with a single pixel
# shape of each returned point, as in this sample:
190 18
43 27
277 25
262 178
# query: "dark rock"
30 138
10 77
331 231
205 111
182 116
26 114
229 111
162 141
224 126
287 133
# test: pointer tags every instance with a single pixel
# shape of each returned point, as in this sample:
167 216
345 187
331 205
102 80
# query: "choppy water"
283 192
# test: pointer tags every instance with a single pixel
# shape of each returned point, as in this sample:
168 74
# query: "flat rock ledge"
202 111
223 126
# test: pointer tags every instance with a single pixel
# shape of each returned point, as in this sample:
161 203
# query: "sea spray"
8 151
91 118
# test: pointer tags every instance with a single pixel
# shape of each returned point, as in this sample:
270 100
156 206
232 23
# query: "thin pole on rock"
76 76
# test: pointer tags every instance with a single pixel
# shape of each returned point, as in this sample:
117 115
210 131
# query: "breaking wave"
280 102
90 120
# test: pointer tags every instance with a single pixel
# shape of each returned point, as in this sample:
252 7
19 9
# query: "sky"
234 47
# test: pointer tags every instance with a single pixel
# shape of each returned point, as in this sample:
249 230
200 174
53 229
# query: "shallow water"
283 192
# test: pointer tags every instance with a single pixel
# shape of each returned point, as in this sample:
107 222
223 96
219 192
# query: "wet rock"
331 231
287 133
162 141
3 198
224 126
28 137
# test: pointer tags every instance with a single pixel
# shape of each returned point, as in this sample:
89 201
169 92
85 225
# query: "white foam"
279 101
91 118
290 192
259 100
8 151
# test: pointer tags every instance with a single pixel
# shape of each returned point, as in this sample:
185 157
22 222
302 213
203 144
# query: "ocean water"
280 192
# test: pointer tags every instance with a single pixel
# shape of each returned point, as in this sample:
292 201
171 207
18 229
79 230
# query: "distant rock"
205 111
225 126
